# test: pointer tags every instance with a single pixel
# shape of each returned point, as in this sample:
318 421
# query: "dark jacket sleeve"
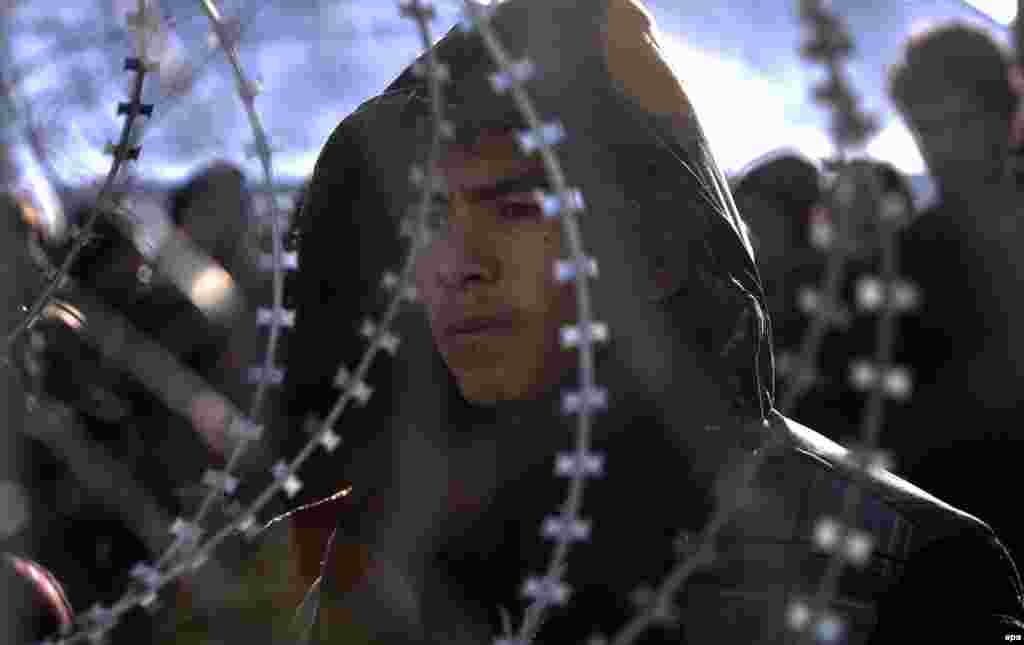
962 589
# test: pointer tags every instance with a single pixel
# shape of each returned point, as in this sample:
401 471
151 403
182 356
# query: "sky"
1003 11
318 60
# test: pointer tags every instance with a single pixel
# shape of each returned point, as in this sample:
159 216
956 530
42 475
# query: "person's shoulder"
926 518
933 560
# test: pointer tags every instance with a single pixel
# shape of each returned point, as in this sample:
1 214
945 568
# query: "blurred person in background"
40 498
953 88
787 203
81 432
113 421
215 210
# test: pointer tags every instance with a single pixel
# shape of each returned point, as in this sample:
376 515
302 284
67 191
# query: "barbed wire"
564 202
277 316
22 111
121 152
238 29
175 86
846 544
188 552
540 137
100 619
829 44
850 127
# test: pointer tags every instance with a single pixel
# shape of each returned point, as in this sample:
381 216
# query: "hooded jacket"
444 520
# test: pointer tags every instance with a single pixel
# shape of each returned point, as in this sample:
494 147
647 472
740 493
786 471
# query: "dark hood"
660 218
677 286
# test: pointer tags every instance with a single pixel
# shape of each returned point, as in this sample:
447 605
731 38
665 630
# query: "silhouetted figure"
215 210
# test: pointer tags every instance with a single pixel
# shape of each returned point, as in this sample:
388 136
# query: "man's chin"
489 394
489 388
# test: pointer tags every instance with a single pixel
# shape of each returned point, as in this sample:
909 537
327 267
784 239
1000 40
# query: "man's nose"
465 255
463 260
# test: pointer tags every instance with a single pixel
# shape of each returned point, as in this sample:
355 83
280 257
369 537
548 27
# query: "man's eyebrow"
532 180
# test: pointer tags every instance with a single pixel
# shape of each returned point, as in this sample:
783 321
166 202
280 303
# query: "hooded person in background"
214 208
438 535
795 230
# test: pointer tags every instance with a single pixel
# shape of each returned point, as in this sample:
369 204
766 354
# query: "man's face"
495 261
960 139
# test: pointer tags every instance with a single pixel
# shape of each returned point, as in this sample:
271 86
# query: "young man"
444 522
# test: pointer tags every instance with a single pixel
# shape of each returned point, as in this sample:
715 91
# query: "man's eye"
519 205
515 210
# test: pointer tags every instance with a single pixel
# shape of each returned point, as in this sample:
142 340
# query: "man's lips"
476 325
